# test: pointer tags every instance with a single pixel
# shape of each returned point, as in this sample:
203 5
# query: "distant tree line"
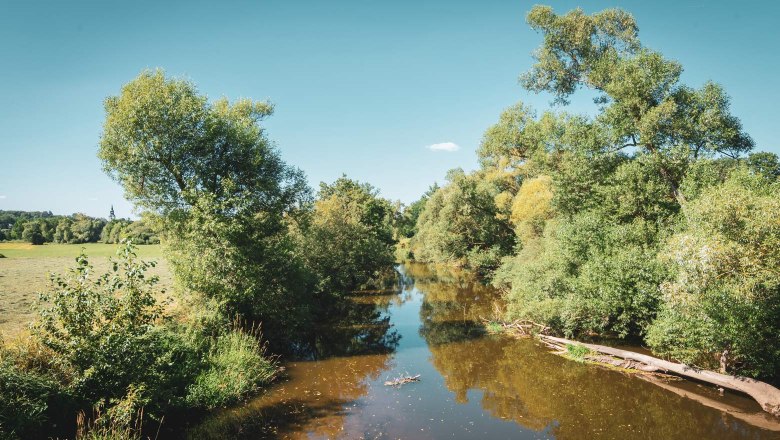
39 227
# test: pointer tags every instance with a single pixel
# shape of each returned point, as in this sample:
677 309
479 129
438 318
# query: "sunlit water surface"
473 385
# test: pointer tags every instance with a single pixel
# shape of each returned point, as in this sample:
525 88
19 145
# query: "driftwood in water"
522 327
766 395
402 380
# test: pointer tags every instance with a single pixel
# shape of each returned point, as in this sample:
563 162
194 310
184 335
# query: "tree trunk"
766 395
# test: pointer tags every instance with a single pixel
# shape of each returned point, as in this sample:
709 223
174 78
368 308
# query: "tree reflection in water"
473 384
453 303
336 360
537 389
521 381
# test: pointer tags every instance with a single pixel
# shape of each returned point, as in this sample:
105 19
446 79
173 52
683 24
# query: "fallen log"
520 327
766 395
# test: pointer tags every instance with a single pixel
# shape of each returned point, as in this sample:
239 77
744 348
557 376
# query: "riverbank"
472 384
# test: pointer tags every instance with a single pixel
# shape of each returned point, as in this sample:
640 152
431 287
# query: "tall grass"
237 367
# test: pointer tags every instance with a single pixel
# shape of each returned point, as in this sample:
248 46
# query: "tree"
222 194
348 242
460 225
722 302
34 231
643 105
167 145
86 229
64 233
407 223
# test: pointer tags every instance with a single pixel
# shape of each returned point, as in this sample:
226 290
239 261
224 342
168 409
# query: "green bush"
109 333
24 399
722 303
104 344
235 368
577 352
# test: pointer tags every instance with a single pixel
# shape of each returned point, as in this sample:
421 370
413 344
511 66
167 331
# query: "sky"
394 93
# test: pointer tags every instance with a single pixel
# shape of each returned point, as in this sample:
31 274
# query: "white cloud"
444 146
2 197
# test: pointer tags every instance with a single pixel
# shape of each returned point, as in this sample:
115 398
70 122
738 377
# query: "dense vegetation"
650 219
249 243
44 227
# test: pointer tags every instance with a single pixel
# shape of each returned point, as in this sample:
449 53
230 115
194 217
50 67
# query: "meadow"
26 268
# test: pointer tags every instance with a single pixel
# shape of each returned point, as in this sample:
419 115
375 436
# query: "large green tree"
222 194
461 224
644 106
348 241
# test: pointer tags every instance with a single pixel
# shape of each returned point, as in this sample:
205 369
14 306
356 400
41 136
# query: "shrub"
122 420
577 352
722 303
236 367
107 333
24 399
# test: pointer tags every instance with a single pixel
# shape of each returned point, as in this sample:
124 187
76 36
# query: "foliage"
122 420
577 352
722 304
460 225
236 366
223 196
348 241
407 223
104 331
45 227
139 232
531 207
643 104
25 398
35 232
104 343
644 221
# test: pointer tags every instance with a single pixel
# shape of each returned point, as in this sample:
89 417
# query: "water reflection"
473 384
521 382
348 348
314 401
355 325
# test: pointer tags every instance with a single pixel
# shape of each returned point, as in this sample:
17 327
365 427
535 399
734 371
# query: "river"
472 384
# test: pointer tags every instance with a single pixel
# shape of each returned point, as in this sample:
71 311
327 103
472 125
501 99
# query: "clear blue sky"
360 87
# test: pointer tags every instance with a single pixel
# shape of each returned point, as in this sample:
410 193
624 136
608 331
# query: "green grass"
26 250
237 368
25 272
577 352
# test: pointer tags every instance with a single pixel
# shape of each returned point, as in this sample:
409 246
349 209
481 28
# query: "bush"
577 352
107 333
722 302
236 367
104 343
122 420
24 399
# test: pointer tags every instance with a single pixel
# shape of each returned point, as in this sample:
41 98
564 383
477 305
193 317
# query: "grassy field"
25 272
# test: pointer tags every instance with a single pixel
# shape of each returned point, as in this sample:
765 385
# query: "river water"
472 384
